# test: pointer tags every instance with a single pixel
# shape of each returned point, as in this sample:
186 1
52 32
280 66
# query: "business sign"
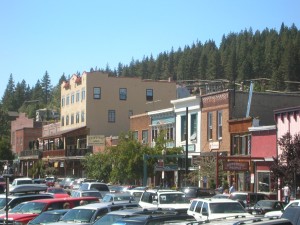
235 166
95 140
214 145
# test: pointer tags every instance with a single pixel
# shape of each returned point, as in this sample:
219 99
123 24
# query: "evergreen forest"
271 58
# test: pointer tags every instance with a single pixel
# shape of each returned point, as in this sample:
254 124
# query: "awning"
63 133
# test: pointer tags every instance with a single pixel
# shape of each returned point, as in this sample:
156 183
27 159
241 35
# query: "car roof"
65 199
97 205
24 196
56 211
163 191
23 178
221 200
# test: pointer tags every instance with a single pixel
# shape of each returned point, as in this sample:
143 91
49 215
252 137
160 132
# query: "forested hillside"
269 54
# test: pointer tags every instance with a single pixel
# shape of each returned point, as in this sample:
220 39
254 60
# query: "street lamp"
6 175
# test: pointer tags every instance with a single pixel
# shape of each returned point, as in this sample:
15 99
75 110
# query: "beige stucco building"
104 104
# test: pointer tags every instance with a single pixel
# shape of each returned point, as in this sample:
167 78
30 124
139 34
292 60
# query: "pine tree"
8 101
46 88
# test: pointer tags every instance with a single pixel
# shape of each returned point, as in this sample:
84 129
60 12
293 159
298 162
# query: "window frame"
209 126
97 92
111 116
149 94
123 94
220 124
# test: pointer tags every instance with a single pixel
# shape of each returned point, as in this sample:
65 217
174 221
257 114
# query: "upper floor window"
62 121
135 135
123 93
170 133
82 94
193 127
209 125
219 128
154 134
111 116
97 93
72 118
183 128
72 98
67 120
68 100
77 96
62 101
82 116
240 144
149 94
144 136
77 117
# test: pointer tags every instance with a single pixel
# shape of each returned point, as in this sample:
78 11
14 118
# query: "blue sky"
66 36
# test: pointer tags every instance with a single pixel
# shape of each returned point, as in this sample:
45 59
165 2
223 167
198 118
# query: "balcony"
79 152
67 153
54 153
30 154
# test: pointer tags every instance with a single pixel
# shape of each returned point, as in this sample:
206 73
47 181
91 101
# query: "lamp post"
6 175
163 152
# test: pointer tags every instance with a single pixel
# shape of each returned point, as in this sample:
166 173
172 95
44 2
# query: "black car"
264 206
196 192
154 219
248 199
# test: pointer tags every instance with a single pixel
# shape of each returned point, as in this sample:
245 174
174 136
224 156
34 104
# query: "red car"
58 192
32 209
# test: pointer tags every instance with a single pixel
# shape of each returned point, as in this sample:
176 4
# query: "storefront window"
263 182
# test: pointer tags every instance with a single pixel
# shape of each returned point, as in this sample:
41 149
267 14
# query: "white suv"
208 209
164 199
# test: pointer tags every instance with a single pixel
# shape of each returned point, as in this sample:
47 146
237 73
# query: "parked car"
248 199
278 213
13 200
32 209
113 216
154 219
208 209
264 206
48 217
87 214
102 187
19 181
117 197
164 199
86 193
50 181
196 192
58 192
66 183
292 214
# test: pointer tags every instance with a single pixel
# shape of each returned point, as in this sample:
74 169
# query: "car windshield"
3 202
268 204
78 215
238 197
17 208
46 217
173 198
24 182
110 198
226 207
33 207
91 194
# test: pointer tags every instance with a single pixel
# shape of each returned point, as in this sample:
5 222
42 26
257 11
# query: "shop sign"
97 140
214 145
235 166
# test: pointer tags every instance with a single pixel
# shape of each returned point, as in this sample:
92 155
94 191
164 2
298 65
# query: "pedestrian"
286 193
232 188
66 205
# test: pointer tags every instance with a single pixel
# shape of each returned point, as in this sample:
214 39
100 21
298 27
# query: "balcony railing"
68 152
79 152
54 153
30 153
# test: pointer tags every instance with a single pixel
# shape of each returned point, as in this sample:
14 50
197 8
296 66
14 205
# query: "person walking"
286 193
